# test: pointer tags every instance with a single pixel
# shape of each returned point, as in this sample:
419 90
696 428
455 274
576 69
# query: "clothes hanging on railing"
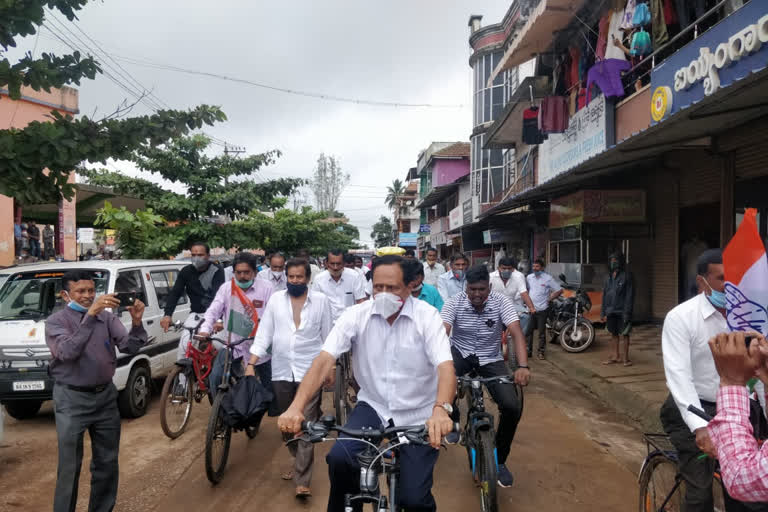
670 16
553 114
602 37
607 75
629 13
614 30
658 23
684 11
531 133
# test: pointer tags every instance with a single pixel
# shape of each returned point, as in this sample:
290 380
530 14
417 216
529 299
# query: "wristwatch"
446 407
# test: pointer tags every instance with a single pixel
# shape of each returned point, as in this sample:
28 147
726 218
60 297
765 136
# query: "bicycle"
344 388
218 435
376 460
479 434
662 488
176 407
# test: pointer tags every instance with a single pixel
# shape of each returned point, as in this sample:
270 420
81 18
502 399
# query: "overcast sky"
402 51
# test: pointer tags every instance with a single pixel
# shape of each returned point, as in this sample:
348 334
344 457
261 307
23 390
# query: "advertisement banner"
85 235
455 218
726 53
468 211
408 239
437 239
424 228
584 138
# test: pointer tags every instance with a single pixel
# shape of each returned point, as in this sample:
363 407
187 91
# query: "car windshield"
36 295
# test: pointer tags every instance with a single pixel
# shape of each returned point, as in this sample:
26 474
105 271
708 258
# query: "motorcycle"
566 321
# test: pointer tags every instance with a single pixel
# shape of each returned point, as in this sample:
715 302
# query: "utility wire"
308 94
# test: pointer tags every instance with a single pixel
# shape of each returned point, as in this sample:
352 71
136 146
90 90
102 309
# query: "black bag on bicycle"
246 403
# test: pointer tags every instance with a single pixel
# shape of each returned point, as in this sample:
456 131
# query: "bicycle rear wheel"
176 404
487 471
341 394
661 487
217 440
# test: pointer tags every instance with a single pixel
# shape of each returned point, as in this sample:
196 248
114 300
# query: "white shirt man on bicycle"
474 319
402 361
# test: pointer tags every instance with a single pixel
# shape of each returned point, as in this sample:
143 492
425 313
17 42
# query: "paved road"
570 453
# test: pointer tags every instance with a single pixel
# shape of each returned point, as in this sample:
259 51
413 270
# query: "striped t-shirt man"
479 333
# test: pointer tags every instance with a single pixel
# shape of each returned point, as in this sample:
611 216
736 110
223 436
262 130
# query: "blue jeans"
414 486
524 319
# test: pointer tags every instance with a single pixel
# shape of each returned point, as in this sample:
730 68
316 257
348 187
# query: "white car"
32 292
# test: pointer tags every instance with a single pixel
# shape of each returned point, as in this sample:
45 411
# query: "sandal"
287 475
611 361
627 363
540 356
303 492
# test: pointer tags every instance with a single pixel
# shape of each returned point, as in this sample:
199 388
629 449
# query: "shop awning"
691 129
89 199
437 194
507 130
536 35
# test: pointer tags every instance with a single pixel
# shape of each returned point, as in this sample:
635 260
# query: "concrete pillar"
727 217
7 243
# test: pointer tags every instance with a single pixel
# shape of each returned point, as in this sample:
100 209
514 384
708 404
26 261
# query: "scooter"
566 321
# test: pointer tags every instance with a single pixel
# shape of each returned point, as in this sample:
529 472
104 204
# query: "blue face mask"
537 272
458 274
296 290
77 307
716 298
245 284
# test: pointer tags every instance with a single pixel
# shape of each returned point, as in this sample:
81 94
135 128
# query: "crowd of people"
411 328
31 243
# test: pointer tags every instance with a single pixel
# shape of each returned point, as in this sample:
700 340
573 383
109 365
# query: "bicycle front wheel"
487 471
661 486
217 440
176 404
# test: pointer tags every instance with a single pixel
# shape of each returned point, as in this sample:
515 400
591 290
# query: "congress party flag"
243 318
746 276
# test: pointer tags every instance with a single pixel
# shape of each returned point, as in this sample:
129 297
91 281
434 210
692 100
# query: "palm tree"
394 191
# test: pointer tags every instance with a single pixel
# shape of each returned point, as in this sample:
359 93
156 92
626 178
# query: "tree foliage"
21 18
328 182
382 232
394 191
220 185
139 234
36 161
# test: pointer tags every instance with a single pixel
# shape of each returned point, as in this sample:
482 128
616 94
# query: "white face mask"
277 276
386 304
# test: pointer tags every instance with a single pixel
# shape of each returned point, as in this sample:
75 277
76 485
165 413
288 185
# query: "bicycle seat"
184 363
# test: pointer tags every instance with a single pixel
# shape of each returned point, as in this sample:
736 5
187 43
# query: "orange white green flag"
243 318
746 276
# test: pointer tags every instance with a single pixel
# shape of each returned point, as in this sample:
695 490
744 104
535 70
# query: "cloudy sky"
400 51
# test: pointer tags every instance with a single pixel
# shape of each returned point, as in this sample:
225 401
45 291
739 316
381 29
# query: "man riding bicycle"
402 361
474 319
199 281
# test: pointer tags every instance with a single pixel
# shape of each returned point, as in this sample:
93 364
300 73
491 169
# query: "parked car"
32 293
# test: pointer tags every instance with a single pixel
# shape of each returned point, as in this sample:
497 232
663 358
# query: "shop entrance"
699 230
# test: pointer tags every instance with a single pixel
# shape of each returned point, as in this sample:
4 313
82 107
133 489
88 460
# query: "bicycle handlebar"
415 434
501 379
698 412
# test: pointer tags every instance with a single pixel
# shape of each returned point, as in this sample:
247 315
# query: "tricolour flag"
746 276
243 318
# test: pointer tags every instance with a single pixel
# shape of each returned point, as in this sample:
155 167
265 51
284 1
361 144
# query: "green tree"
139 234
35 162
382 232
394 191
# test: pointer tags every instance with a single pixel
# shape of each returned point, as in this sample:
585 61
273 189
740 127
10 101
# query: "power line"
308 94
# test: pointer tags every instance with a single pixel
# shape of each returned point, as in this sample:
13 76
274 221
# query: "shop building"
407 215
660 169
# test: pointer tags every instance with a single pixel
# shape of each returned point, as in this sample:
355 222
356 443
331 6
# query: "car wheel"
134 399
23 409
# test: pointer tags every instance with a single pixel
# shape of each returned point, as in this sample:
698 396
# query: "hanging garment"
658 24
574 66
642 16
531 133
573 101
613 51
607 75
641 44
629 13
553 114
670 16
683 8
602 36
582 99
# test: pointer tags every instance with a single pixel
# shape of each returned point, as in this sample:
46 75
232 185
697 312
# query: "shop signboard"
584 138
468 211
408 239
455 218
726 53
597 206
424 228
85 235
493 236
437 238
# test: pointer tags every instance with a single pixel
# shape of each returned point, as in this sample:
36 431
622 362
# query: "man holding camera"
82 338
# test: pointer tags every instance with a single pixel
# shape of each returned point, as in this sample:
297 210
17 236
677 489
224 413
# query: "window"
130 281
37 294
163 281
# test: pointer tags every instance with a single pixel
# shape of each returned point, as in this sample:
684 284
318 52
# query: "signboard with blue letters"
408 239
725 54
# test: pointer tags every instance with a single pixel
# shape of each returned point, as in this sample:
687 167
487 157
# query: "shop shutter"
748 142
664 250
700 179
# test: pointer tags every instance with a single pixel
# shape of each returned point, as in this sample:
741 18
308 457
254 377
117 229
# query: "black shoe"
530 353
505 478
453 438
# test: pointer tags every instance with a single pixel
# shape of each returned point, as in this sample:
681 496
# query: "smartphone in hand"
127 299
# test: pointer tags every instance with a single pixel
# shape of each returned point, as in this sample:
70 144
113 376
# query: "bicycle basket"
246 403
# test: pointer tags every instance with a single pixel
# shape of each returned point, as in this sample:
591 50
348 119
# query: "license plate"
29 385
